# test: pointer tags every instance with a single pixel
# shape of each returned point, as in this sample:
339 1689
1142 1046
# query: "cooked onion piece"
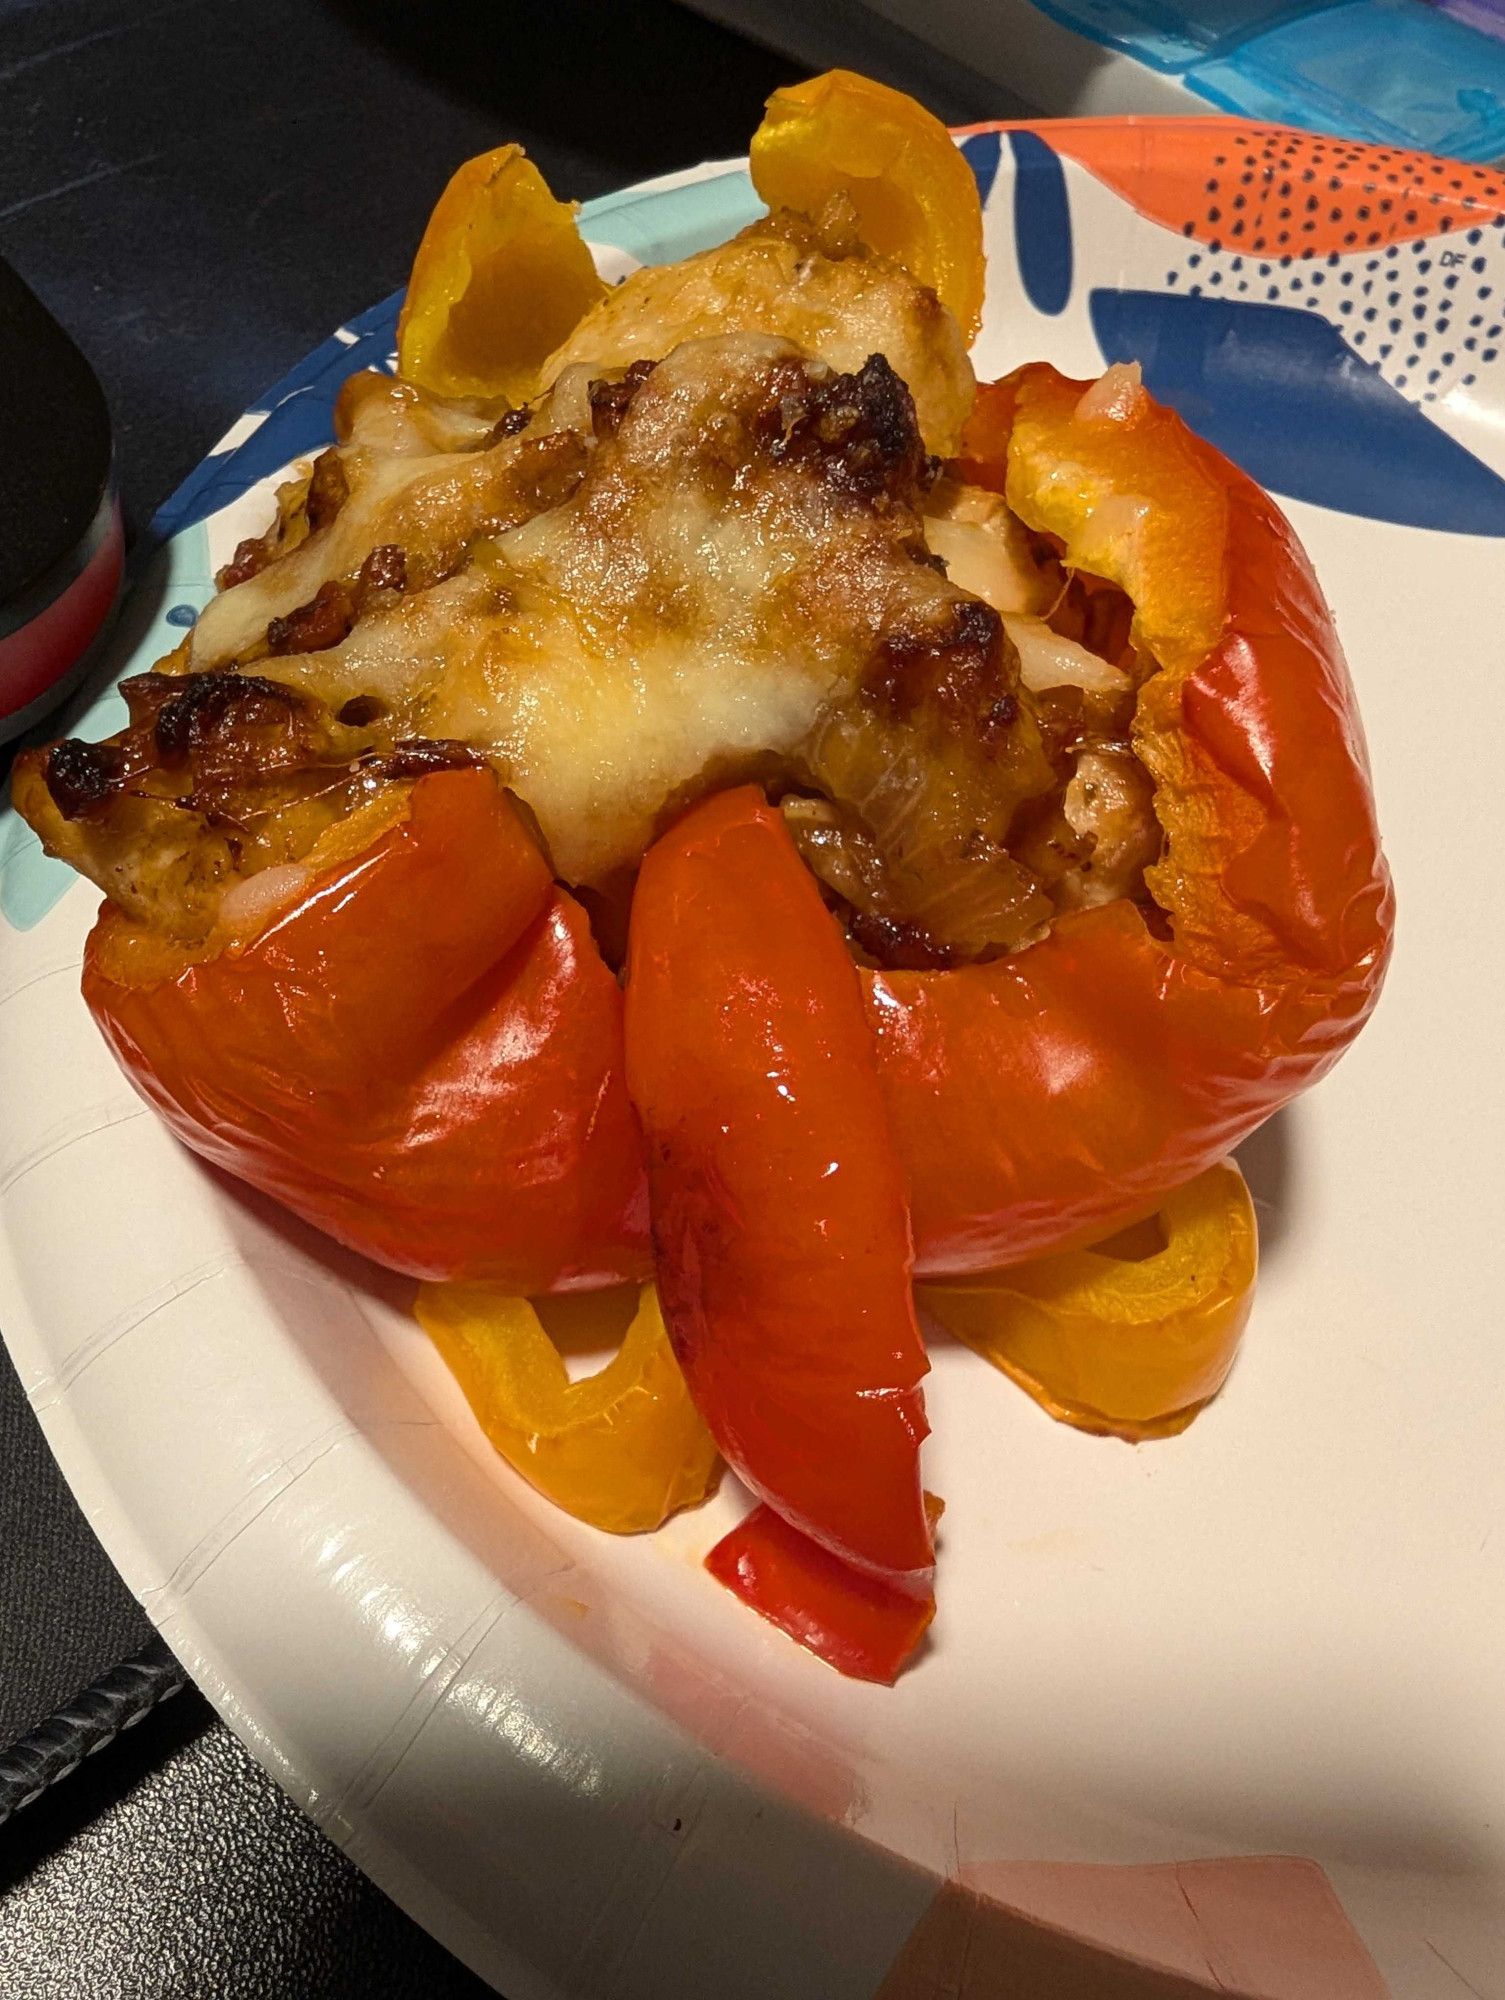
1047 660
1110 802
988 550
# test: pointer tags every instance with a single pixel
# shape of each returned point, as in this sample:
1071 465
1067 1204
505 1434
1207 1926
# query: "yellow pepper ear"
501 276
622 1449
1134 1336
911 187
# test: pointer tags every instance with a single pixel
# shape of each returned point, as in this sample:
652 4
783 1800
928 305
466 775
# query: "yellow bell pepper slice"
1132 1337
914 194
622 1449
501 276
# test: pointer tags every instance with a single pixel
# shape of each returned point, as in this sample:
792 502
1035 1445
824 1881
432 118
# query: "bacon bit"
250 559
610 401
328 490
418 755
79 775
330 613
386 568
507 427
324 621
860 431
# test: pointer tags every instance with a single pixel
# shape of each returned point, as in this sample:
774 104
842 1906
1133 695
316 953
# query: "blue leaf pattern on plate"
1042 223
1286 397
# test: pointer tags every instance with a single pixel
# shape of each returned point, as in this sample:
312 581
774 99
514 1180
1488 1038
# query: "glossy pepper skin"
423 1056
856 1622
780 1232
1040 1099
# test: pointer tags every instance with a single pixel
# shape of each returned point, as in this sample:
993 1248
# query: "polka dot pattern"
1427 313
1273 192
1292 194
1403 252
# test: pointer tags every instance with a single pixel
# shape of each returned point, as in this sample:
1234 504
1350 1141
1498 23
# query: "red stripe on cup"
38 654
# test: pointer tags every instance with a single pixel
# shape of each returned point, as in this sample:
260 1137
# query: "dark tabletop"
200 190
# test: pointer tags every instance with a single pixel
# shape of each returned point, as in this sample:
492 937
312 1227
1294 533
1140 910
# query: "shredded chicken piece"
811 282
1110 803
217 777
1091 842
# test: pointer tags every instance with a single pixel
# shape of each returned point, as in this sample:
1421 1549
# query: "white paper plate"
577 1759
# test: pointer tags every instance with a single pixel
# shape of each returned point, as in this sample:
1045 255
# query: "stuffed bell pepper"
696 808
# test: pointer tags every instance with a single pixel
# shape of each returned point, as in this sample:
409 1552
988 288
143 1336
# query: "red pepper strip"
855 1622
779 1217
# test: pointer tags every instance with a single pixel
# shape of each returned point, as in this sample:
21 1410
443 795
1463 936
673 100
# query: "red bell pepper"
780 1230
423 1056
1040 1099
1035 1101
856 1622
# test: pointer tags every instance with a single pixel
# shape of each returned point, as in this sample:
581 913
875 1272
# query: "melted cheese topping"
431 504
686 615
665 576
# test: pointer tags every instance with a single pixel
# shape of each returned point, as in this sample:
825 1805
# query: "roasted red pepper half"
1039 1099
780 1231
422 1055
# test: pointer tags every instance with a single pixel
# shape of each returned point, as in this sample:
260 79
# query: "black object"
172 1868
60 533
90 1722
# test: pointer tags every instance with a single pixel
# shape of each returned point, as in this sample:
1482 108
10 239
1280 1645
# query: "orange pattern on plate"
1271 190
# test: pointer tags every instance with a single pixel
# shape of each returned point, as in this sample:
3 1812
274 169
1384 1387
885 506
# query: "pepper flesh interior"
500 277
